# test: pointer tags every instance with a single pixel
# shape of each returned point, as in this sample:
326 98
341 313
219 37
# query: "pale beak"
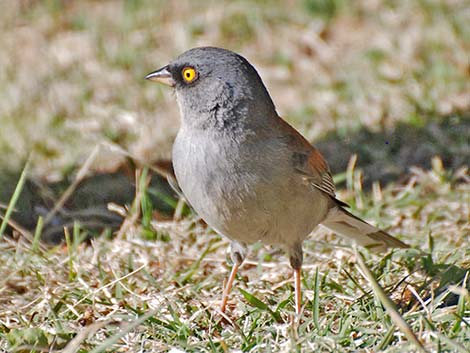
163 76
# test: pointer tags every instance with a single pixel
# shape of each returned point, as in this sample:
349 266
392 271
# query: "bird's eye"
189 74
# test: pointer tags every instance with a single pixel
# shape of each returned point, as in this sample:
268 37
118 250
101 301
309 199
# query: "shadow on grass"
383 157
88 205
387 156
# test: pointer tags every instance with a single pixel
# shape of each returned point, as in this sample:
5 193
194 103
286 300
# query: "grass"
73 71
72 80
129 294
14 199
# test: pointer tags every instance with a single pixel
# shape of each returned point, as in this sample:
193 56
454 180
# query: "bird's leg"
298 290
238 254
228 286
296 259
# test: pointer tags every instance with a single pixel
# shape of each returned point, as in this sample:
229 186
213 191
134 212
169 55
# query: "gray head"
216 88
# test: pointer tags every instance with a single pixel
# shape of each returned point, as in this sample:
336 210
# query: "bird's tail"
349 226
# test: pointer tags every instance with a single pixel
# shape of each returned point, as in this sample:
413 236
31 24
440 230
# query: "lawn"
392 75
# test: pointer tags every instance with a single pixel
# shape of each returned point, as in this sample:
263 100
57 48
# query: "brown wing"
312 166
308 161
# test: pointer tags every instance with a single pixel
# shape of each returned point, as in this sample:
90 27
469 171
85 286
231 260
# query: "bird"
245 171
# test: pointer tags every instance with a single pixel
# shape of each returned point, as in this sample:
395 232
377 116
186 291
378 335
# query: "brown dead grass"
72 72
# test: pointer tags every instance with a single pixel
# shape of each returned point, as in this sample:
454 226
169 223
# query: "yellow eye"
189 74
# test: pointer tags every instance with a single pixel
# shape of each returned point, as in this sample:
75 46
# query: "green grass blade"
70 253
387 338
14 199
316 302
124 331
456 347
389 305
250 298
37 234
461 306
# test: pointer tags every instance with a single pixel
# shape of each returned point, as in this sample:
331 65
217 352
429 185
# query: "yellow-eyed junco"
247 172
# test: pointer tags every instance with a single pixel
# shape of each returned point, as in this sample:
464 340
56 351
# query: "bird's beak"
162 75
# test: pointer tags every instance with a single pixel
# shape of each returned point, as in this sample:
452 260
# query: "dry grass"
73 70
99 289
72 77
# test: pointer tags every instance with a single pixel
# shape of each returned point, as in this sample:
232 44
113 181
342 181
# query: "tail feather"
349 226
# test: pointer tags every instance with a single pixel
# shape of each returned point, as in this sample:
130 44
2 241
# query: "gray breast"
242 189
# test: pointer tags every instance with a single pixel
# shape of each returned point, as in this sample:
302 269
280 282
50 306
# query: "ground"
382 80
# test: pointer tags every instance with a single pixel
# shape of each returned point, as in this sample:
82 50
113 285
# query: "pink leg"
298 290
228 286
